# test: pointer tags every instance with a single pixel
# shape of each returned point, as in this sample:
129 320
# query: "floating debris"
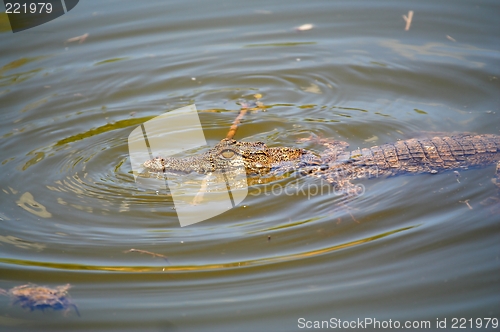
140 251
79 39
408 20
466 202
304 27
39 297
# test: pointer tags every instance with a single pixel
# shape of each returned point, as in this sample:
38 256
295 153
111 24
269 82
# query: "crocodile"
338 166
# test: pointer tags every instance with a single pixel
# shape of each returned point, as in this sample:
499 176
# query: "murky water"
422 248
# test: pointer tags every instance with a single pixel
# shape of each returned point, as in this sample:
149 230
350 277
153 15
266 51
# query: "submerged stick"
244 109
236 122
199 195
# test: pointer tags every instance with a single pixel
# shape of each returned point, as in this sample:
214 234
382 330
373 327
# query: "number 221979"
17 8
463 323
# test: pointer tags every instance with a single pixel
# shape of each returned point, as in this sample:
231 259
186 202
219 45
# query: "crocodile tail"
428 155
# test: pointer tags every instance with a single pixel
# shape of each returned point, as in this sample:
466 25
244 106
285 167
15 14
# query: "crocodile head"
256 157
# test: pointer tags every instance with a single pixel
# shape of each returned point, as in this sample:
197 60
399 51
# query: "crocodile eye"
227 154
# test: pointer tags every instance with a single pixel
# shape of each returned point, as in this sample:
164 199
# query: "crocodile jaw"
155 165
199 164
